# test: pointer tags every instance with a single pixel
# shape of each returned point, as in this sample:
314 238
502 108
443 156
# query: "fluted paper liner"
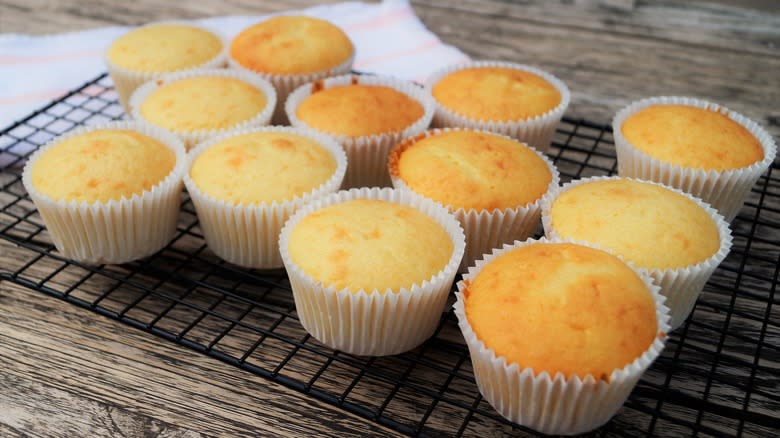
248 235
681 286
375 322
285 84
116 231
536 131
367 155
553 404
484 229
127 81
724 190
193 137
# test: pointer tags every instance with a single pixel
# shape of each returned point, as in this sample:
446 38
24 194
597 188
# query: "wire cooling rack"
718 376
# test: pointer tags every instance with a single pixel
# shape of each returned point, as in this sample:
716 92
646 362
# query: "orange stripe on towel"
384 20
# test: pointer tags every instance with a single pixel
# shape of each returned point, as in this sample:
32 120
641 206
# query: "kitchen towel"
390 39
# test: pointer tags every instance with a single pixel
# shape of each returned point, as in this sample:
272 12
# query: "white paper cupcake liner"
126 81
485 229
285 84
116 231
536 131
681 286
367 155
191 138
553 404
248 235
375 323
724 190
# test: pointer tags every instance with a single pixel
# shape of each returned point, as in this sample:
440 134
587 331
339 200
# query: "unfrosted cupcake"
247 183
371 269
108 193
492 183
676 238
559 333
290 51
367 115
699 147
200 104
511 99
150 51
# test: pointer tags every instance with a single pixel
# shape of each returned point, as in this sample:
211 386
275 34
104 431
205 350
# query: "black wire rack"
718 376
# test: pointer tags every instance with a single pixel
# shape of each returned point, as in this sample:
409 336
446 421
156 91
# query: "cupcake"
367 115
676 238
371 268
247 183
108 193
511 99
150 51
290 51
559 333
200 104
492 183
696 146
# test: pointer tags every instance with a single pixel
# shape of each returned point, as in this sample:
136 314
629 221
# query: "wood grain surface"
69 372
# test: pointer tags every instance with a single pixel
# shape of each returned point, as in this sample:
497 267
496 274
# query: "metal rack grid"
718 376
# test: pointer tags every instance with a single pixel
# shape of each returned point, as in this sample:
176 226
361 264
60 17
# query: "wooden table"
67 371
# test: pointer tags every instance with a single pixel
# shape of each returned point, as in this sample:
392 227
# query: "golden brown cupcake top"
164 47
262 167
289 45
203 103
562 308
471 170
692 137
102 165
496 93
652 226
370 244
358 110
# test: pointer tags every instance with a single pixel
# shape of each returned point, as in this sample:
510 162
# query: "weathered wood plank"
103 363
10 432
607 70
45 410
697 24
